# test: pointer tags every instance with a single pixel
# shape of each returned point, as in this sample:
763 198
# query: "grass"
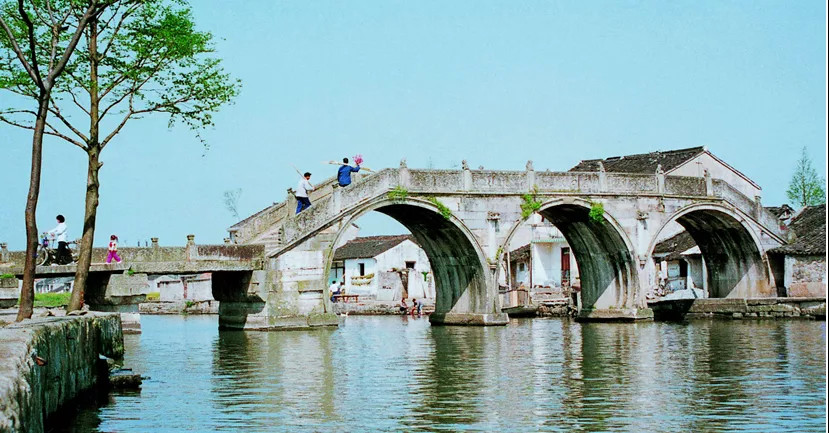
51 300
153 296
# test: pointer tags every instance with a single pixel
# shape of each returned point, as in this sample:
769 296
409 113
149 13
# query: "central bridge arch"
465 291
603 252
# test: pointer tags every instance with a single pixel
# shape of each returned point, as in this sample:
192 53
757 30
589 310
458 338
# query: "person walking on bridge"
344 173
303 188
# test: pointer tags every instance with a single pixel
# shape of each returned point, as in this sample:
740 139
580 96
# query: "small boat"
521 311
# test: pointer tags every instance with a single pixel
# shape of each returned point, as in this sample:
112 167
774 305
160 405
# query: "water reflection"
393 374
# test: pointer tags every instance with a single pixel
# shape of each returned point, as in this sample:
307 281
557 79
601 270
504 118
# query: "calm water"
398 374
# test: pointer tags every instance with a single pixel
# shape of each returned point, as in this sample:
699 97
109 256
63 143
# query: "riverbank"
725 308
49 361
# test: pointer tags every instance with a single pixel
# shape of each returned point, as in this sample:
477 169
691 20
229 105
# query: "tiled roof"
779 210
675 245
642 163
808 228
520 253
369 246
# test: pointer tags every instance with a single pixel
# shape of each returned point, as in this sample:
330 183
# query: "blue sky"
493 82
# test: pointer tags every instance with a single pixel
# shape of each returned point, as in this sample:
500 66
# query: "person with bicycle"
64 256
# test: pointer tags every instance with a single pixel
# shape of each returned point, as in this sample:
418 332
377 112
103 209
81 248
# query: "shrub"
596 213
444 210
6 276
398 193
154 296
531 203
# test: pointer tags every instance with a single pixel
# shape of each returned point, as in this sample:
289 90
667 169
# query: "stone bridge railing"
158 254
331 202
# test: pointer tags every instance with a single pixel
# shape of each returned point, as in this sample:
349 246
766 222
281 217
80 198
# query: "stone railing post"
602 178
660 179
290 202
758 207
190 249
156 251
4 252
403 175
466 175
709 184
530 176
337 198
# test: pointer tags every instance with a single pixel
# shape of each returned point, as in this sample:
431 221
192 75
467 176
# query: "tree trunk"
90 214
92 183
27 293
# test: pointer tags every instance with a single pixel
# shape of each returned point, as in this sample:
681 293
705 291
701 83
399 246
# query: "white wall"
352 269
408 251
718 171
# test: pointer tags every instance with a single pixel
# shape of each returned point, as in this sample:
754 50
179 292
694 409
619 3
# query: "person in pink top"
113 250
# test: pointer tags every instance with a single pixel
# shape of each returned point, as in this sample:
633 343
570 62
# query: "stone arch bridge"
464 220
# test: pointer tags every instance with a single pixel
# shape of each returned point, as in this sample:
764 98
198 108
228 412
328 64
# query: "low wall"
724 308
67 348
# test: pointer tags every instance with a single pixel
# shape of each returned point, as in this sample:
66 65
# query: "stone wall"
49 361
805 276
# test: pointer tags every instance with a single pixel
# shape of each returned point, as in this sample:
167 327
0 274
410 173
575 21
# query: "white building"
385 268
679 265
691 162
544 260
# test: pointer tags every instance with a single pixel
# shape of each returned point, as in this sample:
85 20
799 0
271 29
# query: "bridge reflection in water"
398 374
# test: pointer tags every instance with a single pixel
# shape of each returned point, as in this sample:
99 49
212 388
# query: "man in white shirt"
334 289
302 189
64 256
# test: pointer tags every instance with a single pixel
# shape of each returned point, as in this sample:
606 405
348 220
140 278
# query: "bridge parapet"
331 201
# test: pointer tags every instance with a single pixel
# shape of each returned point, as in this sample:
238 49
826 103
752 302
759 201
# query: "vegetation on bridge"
596 212
398 193
531 203
444 210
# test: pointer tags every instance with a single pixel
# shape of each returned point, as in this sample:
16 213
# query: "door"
565 267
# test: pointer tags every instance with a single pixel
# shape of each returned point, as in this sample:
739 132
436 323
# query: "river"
401 374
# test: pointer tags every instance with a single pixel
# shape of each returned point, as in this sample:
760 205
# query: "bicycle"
47 255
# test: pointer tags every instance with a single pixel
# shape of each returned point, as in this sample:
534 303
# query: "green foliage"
398 193
51 300
149 58
153 296
130 272
444 210
806 188
188 304
531 204
596 213
6 276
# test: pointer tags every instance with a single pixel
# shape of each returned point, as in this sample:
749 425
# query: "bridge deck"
156 268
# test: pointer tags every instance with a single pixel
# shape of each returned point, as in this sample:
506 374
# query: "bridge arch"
603 252
735 260
464 290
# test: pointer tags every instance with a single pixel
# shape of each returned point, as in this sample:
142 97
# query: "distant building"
386 268
679 264
799 267
54 285
691 162
544 261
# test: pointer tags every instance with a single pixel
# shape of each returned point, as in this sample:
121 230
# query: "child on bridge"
113 250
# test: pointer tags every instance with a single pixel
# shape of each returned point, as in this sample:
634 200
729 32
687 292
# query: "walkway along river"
400 374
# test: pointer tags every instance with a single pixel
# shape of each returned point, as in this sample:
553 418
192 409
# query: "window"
522 267
410 265
362 269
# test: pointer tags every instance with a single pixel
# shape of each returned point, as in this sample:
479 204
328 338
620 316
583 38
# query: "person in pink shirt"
113 250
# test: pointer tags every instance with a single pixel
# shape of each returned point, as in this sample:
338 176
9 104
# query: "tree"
140 57
37 40
806 188
232 202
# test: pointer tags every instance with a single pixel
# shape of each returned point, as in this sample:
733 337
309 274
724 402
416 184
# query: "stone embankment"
179 307
752 308
47 362
376 308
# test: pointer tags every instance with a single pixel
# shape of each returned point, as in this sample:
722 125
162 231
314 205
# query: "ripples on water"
400 374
